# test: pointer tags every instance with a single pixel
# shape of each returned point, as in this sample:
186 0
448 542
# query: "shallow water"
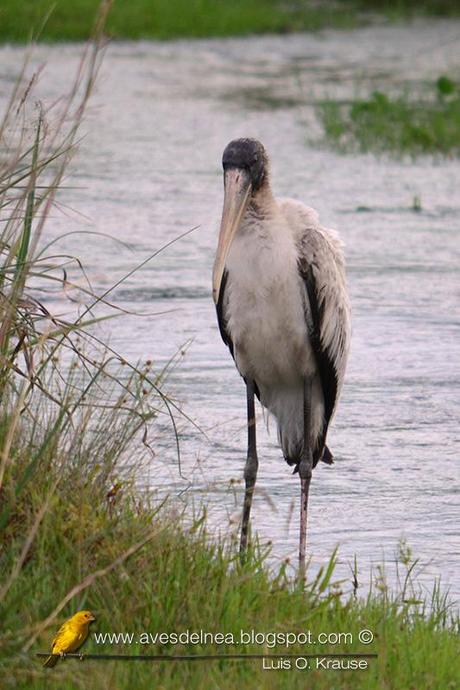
149 169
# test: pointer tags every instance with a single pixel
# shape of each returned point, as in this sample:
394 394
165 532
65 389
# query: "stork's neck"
262 204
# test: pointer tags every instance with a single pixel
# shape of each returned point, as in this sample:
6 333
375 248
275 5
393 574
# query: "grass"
396 125
164 19
71 20
76 427
177 580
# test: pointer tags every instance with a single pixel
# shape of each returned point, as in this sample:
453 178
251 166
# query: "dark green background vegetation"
72 19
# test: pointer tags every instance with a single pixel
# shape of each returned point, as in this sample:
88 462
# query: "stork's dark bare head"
248 155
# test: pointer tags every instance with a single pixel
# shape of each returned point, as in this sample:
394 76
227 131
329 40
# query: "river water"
149 169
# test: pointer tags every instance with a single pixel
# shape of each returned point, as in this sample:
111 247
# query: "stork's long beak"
237 186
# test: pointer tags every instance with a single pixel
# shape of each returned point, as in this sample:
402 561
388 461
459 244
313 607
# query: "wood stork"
283 311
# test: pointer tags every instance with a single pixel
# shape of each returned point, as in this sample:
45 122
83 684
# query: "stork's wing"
321 267
221 317
222 320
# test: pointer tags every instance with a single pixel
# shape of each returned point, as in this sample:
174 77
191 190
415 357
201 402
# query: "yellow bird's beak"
238 188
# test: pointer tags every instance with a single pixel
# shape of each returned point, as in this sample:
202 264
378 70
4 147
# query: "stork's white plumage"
283 310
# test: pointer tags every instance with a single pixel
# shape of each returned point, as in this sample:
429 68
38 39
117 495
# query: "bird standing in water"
70 637
283 311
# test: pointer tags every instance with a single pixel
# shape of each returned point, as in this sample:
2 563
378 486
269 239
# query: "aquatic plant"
396 125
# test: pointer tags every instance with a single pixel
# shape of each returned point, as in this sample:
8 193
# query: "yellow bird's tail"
51 661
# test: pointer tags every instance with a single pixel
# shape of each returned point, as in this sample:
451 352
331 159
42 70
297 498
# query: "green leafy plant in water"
397 125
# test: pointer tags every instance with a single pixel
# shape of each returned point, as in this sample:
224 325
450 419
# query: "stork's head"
248 157
245 164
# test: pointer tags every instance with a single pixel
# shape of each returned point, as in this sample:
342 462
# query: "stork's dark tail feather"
328 458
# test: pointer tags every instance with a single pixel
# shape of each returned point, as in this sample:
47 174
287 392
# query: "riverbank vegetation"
165 19
71 20
405 124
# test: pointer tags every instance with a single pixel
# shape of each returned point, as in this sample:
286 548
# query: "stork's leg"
305 472
250 470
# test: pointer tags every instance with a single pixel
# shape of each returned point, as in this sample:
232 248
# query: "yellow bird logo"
70 636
